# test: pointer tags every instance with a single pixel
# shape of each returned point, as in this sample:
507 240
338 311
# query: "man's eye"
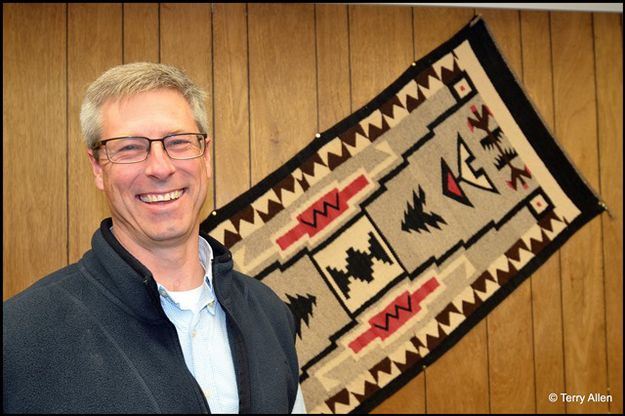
179 143
130 147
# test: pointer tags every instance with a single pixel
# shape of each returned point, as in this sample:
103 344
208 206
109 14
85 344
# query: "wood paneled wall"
276 74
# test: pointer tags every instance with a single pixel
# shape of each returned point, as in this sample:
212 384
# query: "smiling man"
155 201
152 319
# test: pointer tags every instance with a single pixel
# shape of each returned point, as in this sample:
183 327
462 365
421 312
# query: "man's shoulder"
42 290
39 314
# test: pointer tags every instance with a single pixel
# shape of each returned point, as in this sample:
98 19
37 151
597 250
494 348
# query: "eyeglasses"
133 149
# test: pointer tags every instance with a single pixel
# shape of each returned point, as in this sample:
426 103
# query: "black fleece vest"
93 338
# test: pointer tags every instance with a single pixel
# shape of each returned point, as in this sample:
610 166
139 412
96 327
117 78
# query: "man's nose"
159 163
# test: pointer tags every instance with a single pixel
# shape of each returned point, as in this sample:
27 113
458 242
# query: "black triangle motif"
415 217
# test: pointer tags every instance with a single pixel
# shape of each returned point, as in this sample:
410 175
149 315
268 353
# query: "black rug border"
534 128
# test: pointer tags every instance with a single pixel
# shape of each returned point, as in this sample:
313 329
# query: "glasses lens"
184 146
127 150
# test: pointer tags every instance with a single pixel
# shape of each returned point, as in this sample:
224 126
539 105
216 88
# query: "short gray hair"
129 79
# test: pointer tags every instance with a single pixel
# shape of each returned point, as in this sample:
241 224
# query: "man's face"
130 188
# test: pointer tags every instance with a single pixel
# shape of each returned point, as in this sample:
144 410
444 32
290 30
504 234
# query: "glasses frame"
102 143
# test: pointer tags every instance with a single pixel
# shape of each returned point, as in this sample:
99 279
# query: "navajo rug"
397 230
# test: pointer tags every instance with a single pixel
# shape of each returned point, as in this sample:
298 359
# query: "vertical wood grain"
186 42
283 107
434 25
381 48
141 27
307 67
333 74
582 275
510 337
545 282
609 75
34 143
458 382
231 120
95 39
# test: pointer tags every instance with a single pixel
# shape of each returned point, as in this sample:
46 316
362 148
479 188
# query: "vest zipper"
196 385
239 353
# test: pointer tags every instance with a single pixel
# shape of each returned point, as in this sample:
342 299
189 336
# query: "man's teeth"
161 197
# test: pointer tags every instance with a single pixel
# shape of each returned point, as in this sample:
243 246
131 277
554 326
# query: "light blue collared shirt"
201 325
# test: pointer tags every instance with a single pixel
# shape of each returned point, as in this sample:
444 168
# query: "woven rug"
394 232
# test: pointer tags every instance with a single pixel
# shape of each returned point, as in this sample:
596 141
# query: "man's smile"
161 197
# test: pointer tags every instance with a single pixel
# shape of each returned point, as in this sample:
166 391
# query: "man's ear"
96 168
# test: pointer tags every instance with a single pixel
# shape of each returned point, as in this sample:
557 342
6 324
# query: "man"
152 319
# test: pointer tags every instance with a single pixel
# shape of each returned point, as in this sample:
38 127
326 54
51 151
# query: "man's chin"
164 232
165 236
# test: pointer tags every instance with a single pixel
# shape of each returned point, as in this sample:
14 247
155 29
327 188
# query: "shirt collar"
206 259
207 297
